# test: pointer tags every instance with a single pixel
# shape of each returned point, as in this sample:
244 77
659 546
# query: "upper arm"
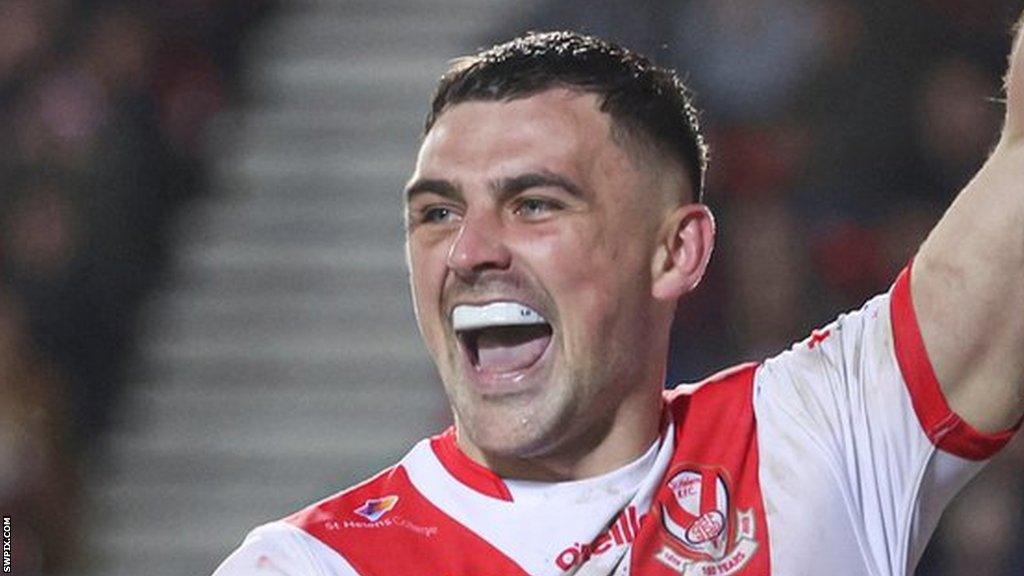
1014 129
968 281
971 314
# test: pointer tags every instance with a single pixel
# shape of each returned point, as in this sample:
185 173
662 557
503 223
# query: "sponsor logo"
393 521
704 534
622 533
375 508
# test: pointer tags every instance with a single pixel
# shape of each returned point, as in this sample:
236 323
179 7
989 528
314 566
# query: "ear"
684 250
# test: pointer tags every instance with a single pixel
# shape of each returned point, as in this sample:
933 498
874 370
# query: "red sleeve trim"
465 470
944 428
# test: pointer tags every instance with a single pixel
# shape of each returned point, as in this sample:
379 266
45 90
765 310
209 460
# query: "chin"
503 435
495 450
513 432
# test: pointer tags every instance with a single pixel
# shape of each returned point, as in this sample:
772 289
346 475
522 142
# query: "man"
553 224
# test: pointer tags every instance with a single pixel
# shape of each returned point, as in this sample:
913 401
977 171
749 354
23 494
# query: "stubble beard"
519 426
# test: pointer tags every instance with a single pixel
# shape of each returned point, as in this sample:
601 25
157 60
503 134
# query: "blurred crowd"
103 105
839 131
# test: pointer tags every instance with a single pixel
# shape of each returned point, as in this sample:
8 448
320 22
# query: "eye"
535 207
433 214
436 214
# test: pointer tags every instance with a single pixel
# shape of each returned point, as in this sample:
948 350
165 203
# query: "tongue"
509 349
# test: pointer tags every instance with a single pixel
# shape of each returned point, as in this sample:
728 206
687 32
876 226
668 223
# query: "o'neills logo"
622 532
706 535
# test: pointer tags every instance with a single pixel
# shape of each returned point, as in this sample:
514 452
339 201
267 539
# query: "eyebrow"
437 186
502 187
540 179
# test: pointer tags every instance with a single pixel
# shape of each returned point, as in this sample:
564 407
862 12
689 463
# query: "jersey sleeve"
280 549
862 401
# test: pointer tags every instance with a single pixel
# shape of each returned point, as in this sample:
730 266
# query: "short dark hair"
646 102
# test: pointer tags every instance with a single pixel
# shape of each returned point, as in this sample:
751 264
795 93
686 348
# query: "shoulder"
401 520
719 406
360 505
731 385
318 539
821 348
862 334
281 548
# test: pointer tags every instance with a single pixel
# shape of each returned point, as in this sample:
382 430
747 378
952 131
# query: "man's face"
530 242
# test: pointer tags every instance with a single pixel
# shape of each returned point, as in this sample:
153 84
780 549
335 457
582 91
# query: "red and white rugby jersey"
835 457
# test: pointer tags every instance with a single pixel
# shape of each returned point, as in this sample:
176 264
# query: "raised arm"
967 280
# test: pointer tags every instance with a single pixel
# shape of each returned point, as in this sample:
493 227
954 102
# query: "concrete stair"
282 361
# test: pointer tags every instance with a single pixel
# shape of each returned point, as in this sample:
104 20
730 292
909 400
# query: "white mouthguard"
466 317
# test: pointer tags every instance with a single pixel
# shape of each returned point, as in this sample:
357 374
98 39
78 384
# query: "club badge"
704 534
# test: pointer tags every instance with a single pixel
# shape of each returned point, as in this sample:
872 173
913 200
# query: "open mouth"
502 337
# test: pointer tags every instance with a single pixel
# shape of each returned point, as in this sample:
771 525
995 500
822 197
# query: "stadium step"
281 362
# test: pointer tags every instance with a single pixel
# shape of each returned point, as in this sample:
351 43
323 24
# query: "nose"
478 247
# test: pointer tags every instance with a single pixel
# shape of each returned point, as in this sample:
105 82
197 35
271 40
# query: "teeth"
466 317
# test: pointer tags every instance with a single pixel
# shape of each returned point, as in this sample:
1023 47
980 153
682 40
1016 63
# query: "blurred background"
204 318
